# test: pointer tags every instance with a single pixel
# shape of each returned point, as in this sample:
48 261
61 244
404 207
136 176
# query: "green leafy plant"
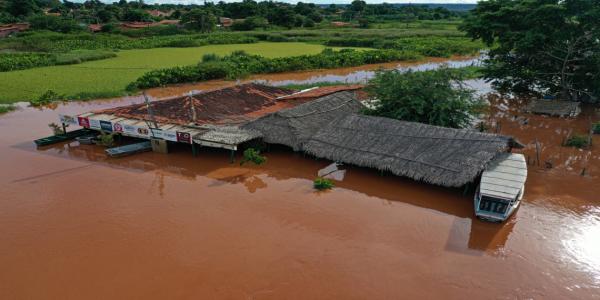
48 97
577 141
252 155
7 108
433 97
106 139
322 184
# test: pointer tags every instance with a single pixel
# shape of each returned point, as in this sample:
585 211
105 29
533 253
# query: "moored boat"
502 187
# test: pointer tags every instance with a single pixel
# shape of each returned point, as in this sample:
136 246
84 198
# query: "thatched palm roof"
293 126
437 155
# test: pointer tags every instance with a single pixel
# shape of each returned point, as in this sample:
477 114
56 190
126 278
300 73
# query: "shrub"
48 97
106 139
577 141
54 23
7 108
239 64
56 129
322 184
252 155
432 97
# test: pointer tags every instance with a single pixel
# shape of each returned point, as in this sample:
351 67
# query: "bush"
577 141
432 97
53 23
240 64
322 184
48 97
252 155
7 108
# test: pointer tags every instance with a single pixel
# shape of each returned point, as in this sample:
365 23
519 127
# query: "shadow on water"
467 235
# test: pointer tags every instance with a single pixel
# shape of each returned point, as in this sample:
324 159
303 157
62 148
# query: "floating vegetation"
322 184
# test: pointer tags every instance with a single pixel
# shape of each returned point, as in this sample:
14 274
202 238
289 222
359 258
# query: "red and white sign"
83 122
184 137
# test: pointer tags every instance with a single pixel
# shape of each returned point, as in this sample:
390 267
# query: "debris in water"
332 171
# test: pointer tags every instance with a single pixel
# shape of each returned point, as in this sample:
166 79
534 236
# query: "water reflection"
583 242
467 235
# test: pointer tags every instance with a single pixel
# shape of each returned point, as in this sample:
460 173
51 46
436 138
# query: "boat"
86 139
129 149
501 188
49 140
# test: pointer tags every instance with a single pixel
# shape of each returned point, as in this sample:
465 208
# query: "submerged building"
324 122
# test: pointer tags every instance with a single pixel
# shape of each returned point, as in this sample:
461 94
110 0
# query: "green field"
109 77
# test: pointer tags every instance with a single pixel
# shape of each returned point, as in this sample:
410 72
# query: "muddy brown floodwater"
75 224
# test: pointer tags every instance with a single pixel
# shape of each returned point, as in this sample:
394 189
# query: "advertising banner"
106 126
156 133
184 137
169 135
83 122
117 127
68 120
95 124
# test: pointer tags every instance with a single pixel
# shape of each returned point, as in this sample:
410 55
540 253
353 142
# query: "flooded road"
78 225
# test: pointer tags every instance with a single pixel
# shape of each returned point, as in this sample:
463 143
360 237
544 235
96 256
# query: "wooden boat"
129 149
86 139
62 137
502 187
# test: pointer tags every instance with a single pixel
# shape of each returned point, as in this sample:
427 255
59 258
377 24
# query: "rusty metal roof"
228 106
322 91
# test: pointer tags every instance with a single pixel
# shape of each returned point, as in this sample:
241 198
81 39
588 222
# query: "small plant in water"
322 184
577 141
106 139
56 129
253 155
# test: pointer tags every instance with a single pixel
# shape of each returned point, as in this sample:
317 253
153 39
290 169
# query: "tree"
21 8
199 19
548 46
432 97
136 15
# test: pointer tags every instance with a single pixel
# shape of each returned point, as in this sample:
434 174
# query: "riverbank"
263 231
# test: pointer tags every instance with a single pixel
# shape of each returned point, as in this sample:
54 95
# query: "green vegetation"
106 139
253 155
322 184
43 41
12 61
241 64
577 141
4 108
427 46
109 77
541 45
46 98
432 97
596 128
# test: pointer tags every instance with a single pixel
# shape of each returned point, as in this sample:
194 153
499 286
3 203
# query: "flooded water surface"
76 224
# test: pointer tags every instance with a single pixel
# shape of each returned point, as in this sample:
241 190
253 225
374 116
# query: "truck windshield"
493 205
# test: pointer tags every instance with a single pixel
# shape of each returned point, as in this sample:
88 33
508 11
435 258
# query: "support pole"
231 156
194 150
64 128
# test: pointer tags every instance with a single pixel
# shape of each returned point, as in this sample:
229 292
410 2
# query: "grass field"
109 77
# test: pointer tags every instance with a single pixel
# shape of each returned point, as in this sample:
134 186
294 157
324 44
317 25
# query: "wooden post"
64 128
194 150
232 156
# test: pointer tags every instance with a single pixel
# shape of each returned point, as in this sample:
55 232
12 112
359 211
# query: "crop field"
109 77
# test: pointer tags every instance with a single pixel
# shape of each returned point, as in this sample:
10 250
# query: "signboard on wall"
83 122
68 120
117 127
169 135
156 133
106 126
184 137
95 124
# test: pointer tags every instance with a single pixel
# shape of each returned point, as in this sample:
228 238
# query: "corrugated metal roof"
505 176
